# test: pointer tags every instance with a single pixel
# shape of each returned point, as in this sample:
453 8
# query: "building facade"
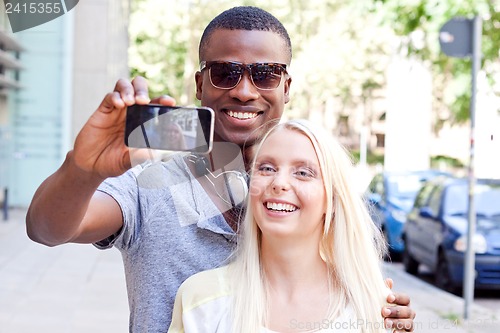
10 65
60 71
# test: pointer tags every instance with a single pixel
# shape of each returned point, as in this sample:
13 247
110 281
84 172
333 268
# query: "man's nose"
245 90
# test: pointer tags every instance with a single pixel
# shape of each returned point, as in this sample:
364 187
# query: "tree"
418 22
341 52
164 43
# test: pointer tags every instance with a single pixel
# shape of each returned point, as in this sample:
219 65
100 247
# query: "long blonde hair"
351 244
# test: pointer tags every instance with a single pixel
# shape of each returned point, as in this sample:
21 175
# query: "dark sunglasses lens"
266 76
225 75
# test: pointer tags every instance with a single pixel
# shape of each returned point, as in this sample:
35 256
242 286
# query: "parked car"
435 233
390 196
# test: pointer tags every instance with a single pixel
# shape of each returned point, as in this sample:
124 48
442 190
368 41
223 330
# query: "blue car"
435 233
390 196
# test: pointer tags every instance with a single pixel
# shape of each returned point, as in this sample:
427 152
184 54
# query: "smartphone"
173 128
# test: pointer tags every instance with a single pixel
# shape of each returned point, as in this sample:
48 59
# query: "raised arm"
66 206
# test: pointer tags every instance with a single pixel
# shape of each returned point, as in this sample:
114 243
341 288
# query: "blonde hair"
352 245
181 141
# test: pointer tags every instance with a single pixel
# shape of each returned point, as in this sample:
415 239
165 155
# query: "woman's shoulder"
205 286
203 303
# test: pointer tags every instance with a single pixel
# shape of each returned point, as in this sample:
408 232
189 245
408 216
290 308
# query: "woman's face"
173 133
287 190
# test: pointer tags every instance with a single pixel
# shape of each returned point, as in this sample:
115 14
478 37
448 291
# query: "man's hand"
99 147
66 207
400 316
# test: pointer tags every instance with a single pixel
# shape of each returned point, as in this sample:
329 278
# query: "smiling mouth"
242 115
280 207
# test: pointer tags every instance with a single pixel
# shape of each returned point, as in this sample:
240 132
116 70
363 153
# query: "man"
166 218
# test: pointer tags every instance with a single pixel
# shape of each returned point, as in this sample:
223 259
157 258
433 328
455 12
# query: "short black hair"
245 18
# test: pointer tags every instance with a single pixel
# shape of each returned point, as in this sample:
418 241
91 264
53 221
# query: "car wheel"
409 263
442 276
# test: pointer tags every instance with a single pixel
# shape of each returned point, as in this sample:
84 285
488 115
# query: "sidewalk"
439 311
70 288
77 288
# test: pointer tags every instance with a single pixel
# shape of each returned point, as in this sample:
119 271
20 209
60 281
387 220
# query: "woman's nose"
280 182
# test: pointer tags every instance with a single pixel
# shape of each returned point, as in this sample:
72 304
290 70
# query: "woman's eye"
304 173
265 168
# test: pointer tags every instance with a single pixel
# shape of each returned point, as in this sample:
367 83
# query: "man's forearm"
60 204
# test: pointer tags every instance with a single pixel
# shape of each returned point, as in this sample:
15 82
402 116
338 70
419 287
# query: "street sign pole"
461 37
469 268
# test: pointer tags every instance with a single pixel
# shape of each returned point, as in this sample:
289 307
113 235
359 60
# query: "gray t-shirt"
171 230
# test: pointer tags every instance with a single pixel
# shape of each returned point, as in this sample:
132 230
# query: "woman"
309 254
173 138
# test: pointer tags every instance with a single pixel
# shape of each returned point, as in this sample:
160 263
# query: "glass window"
486 199
423 195
404 186
435 200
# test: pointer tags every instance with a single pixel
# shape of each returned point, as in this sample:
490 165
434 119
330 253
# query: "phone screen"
171 128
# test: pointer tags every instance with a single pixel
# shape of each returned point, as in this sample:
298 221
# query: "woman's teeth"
280 207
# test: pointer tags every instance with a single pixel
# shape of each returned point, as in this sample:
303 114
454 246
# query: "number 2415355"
33 8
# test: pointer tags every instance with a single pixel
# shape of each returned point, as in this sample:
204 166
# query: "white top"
203 302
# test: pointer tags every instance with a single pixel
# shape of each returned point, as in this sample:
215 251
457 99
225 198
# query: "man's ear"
198 78
288 82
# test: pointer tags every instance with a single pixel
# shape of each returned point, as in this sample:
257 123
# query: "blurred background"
371 71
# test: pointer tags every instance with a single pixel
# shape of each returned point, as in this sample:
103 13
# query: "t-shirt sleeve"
125 191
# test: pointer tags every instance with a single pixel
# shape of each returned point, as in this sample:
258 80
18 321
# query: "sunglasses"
227 74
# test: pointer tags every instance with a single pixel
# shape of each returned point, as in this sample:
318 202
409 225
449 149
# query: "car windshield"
403 186
486 200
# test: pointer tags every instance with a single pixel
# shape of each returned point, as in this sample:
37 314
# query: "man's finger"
398 299
395 312
140 85
164 100
126 91
111 101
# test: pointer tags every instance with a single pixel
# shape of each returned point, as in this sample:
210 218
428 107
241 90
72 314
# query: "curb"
438 310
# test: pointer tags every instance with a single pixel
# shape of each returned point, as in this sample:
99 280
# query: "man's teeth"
243 115
281 207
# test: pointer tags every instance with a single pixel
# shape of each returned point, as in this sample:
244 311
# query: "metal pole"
5 204
469 267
